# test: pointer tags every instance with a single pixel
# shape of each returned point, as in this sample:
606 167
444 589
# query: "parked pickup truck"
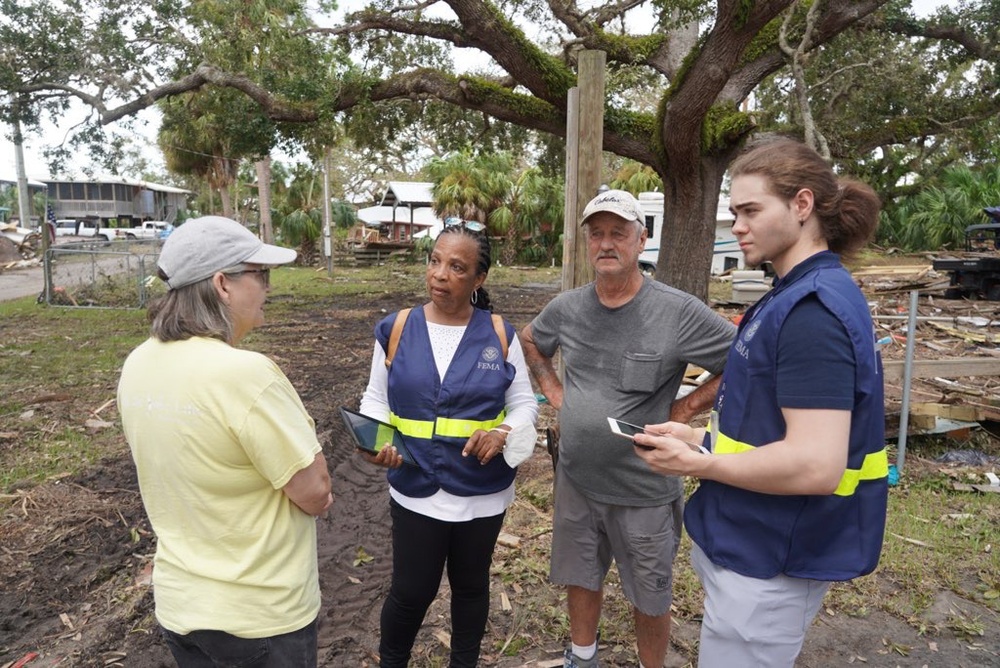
975 274
83 228
149 229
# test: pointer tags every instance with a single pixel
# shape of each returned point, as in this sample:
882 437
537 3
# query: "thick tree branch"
908 128
796 57
273 106
837 16
467 92
370 19
974 47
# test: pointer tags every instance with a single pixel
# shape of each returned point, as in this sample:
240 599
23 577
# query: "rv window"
649 226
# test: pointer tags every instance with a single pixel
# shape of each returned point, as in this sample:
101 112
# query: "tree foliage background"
900 101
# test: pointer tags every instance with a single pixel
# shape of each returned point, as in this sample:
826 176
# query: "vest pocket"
639 372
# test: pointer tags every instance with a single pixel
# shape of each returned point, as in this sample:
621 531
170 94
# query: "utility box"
749 286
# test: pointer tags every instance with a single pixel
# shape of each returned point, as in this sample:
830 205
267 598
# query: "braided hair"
480 298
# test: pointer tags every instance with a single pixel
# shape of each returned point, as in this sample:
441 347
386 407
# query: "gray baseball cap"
202 246
619 202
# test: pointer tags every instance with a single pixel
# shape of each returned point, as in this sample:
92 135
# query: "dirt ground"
75 553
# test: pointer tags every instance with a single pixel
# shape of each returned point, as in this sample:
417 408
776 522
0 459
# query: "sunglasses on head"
471 225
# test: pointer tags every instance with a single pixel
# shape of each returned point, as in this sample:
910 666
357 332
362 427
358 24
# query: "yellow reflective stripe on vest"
412 428
448 427
874 467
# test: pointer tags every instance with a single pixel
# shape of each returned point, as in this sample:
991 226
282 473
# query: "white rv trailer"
726 254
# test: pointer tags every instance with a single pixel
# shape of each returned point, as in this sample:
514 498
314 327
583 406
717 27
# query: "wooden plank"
571 216
963 487
950 411
953 367
890 269
967 335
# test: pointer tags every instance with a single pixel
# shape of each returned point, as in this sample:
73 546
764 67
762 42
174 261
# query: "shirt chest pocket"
640 372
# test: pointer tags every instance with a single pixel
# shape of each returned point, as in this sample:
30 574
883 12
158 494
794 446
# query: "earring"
475 296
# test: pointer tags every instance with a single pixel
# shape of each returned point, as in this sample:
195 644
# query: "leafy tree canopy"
676 93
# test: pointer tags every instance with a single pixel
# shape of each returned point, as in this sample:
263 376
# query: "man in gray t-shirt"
625 342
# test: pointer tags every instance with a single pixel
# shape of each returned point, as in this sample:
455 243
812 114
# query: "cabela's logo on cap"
612 198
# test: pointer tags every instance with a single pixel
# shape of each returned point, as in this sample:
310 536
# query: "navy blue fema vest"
833 537
437 416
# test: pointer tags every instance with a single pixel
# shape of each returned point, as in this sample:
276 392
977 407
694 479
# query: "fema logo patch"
751 330
489 360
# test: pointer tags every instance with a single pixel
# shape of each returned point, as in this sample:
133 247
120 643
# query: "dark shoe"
571 660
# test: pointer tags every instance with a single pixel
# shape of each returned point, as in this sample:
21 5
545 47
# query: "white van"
726 254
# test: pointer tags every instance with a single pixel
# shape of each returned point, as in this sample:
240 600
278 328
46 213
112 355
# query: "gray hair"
191 310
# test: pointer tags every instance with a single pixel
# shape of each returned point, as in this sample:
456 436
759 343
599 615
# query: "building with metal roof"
127 201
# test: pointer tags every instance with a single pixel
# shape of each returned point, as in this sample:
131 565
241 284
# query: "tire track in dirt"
355 557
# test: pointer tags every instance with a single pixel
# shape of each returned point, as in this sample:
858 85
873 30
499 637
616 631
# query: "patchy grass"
60 369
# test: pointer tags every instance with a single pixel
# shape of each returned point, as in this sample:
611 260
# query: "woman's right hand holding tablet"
387 456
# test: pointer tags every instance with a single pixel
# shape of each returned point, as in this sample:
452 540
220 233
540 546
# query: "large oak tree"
703 79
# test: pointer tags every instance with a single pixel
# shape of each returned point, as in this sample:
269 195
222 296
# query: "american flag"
50 215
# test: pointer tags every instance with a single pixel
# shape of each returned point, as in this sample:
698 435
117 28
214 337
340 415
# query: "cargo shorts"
588 535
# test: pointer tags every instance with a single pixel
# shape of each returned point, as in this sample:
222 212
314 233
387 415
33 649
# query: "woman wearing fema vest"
793 495
443 382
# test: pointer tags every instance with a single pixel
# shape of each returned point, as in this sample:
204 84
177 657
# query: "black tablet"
370 434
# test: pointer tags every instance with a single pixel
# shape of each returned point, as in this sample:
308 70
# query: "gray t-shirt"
627 363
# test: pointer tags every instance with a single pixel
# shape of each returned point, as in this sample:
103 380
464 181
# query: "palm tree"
533 214
192 144
937 216
302 228
525 210
474 188
636 178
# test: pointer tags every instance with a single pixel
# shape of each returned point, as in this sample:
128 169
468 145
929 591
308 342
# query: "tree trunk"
227 201
509 249
264 198
687 240
23 194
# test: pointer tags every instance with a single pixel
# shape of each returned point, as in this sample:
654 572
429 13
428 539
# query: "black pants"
421 546
210 649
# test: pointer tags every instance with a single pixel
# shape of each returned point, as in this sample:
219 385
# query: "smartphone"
628 430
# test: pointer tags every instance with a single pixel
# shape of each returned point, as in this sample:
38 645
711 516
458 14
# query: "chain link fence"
102 274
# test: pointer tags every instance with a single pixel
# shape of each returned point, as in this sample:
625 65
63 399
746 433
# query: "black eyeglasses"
265 274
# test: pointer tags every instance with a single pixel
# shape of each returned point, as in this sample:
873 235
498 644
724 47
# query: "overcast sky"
145 133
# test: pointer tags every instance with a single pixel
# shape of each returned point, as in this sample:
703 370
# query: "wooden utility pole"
584 148
570 216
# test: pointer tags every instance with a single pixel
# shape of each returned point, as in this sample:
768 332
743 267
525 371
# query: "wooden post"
570 214
591 135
